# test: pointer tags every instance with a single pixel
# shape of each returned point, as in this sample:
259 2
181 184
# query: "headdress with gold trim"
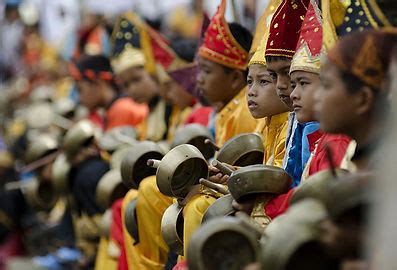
308 50
258 47
219 44
345 17
262 27
259 55
126 39
285 28
135 43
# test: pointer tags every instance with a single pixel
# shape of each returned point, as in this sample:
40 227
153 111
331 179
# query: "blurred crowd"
193 134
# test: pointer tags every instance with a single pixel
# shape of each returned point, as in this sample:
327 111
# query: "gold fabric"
131 250
274 132
103 261
193 213
87 231
262 27
233 119
259 55
154 126
130 57
151 205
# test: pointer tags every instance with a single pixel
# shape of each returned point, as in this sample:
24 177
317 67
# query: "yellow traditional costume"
151 252
273 129
220 46
233 119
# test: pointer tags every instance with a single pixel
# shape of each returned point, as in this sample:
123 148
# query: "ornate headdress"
366 55
219 44
126 40
258 47
262 27
308 50
136 44
285 28
345 17
259 55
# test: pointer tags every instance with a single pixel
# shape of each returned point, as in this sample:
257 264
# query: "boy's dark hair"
270 59
96 63
242 35
244 38
185 48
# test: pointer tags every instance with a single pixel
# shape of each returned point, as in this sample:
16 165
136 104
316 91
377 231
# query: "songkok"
219 44
262 27
126 39
308 50
258 47
285 28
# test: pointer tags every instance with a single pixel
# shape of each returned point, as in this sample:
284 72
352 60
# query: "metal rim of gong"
258 179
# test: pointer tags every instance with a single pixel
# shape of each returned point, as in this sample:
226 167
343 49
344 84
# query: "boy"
96 86
222 60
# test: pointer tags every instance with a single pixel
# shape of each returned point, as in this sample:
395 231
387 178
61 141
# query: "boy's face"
88 94
334 106
304 86
261 95
138 84
213 82
279 71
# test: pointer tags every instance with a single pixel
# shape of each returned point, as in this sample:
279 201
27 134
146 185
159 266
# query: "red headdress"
219 44
309 48
285 28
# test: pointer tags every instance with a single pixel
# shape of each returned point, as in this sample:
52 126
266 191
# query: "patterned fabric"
366 55
345 17
308 51
135 43
285 28
219 44
262 27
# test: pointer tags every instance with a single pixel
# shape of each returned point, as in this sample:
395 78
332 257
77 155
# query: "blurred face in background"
89 94
138 84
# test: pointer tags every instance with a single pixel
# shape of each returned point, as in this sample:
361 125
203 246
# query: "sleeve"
320 160
278 205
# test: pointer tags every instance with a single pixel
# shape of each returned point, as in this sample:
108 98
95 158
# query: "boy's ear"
238 78
364 100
